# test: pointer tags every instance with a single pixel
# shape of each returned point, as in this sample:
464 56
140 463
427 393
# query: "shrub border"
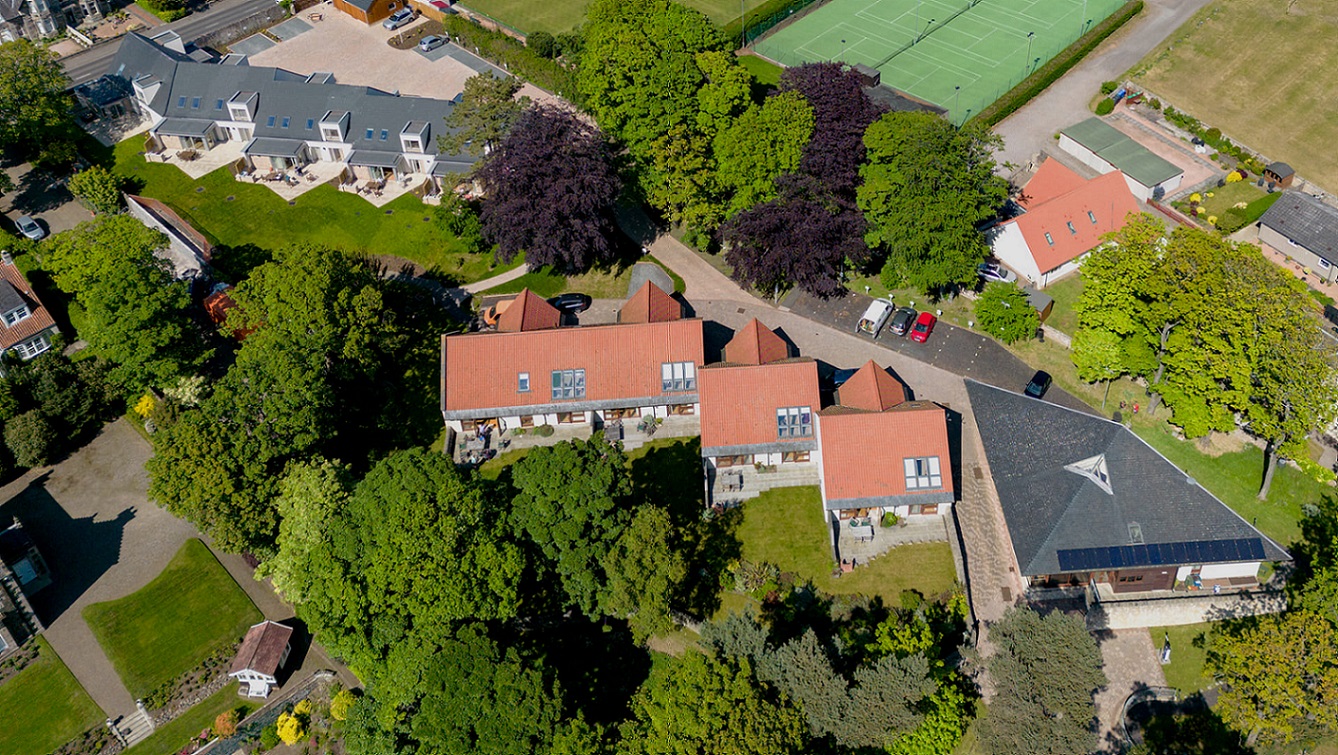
1024 92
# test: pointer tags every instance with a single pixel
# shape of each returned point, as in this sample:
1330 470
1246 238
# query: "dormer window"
923 473
14 316
1094 469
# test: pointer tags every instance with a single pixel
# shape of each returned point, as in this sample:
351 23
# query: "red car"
924 325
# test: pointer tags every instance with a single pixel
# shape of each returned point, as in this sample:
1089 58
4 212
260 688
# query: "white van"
874 317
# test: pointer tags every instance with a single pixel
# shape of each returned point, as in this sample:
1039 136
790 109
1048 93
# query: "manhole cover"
229 198
390 212
741 310
292 203
199 189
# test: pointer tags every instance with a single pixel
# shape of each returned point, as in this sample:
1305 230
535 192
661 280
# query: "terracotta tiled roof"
1051 180
262 648
528 312
1105 198
650 304
622 364
871 388
755 344
36 322
739 402
863 453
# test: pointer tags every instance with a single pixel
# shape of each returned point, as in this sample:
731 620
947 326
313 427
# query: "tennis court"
961 55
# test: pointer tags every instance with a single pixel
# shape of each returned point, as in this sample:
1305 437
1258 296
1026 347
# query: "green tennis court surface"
958 54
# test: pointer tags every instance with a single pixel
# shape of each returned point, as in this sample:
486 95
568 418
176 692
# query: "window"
678 376
270 121
195 103
218 105
794 422
523 382
16 315
568 384
371 134
1072 230
1091 217
1324 264
384 134
286 121
181 102
32 347
923 473
311 123
1049 239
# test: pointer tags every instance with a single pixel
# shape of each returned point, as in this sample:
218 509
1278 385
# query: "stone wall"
1189 609
221 38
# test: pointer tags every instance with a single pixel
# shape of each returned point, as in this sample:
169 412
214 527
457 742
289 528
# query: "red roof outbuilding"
262 649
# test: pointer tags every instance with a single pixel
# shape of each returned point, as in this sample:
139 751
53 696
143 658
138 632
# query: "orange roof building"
528 311
880 451
1065 217
651 304
756 344
26 326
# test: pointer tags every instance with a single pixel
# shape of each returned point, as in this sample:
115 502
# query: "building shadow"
77 551
714 338
300 642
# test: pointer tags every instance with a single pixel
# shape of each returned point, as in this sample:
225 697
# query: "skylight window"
1049 239
1072 230
286 121
218 105
270 122
1091 217
1094 469
311 123
371 134
195 103
384 134
181 102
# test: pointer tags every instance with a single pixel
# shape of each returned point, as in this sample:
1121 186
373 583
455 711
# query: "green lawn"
764 71
234 214
564 15
1064 316
171 738
601 283
1185 672
786 527
162 631
44 706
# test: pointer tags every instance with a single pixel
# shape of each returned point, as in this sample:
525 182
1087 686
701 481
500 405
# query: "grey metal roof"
1048 508
184 127
930 498
195 90
445 167
103 90
774 447
374 159
10 298
1307 221
267 147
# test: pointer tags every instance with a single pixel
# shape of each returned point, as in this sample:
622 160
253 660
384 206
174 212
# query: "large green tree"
135 313
98 188
34 106
763 143
643 569
487 110
926 187
1004 311
1044 671
311 493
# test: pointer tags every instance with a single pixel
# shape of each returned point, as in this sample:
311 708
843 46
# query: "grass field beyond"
785 527
1265 72
235 214
43 707
961 55
557 16
160 632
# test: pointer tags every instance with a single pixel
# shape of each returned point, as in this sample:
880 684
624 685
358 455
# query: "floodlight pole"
1084 13
1030 36
917 16
957 93
743 25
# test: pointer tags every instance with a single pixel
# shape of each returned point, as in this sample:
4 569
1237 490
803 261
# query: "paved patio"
925 529
207 162
1130 662
252 45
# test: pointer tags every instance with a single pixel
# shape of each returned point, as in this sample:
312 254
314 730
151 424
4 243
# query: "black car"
1040 383
902 320
571 303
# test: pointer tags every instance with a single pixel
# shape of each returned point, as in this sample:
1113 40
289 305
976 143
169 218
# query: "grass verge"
170 739
764 71
44 706
600 283
1189 654
154 635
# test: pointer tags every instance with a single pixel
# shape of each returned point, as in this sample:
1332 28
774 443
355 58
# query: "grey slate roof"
10 298
202 90
1047 508
267 147
1280 169
1307 221
185 126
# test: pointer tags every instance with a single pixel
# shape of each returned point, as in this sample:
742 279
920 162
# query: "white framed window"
13 316
568 384
33 346
1324 264
794 422
923 473
523 382
678 376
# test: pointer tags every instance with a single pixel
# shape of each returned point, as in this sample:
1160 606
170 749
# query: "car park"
874 317
430 43
398 18
30 228
993 271
1040 383
924 327
902 321
571 303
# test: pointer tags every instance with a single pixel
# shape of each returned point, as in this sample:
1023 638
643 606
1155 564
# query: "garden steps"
755 483
135 727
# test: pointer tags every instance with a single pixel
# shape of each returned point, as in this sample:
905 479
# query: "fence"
766 17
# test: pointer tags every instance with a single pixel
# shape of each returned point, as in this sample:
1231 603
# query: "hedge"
1047 74
1105 107
515 57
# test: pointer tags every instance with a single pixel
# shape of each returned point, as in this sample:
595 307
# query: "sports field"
1265 72
958 54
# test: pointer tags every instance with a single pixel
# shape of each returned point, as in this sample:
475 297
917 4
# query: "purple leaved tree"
550 189
802 238
841 113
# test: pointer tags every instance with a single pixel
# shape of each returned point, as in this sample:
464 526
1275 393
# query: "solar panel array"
1162 554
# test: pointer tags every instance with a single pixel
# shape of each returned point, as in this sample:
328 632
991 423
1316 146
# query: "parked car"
430 43
993 271
902 321
398 18
1040 383
924 326
29 227
874 317
572 303
839 378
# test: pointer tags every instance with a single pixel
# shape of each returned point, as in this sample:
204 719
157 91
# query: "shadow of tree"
597 664
1189 727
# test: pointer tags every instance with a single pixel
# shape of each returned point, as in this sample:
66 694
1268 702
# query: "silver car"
398 18
430 43
29 227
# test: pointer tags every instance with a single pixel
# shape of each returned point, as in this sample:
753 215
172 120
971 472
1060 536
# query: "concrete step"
135 727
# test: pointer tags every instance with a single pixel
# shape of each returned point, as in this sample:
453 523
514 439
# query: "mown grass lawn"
1189 654
160 632
173 737
239 215
44 706
1064 316
764 71
785 526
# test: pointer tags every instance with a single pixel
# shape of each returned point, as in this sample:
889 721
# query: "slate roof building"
1064 218
264 650
1280 175
23 572
1106 149
1087 502
37 19
26 327
1306 230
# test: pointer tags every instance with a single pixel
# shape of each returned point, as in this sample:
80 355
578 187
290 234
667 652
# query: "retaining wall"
1190 609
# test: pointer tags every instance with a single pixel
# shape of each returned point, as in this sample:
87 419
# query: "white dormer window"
238 112
14 316
411 143
32 347
1094 469
923 473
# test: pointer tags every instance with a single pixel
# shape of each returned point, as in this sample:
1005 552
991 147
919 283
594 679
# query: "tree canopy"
98 188
34 106
1004 312
487 111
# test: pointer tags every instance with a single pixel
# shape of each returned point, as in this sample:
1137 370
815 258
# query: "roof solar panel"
1160 554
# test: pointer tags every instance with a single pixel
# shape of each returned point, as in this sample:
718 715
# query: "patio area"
381 193
732 486
203 163
290 185
113 131
870 539
473 447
